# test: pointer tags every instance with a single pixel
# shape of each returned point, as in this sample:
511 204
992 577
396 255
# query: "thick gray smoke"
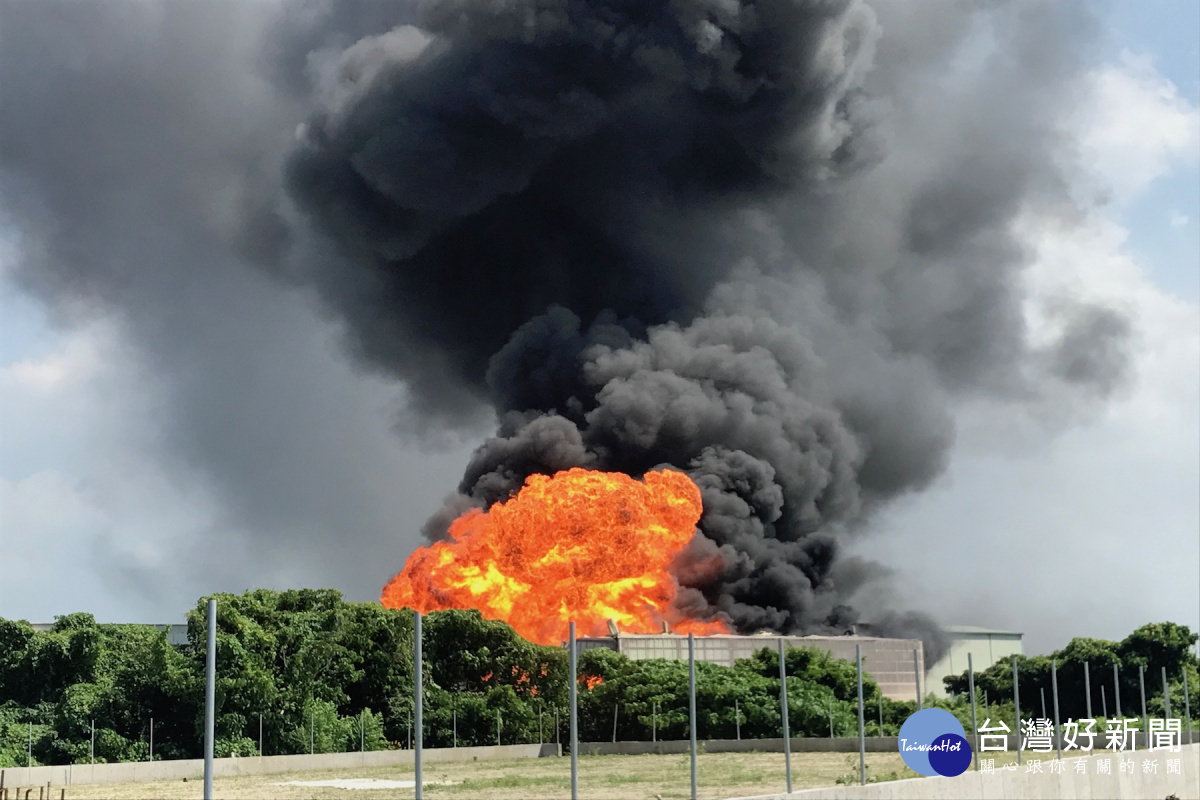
767 243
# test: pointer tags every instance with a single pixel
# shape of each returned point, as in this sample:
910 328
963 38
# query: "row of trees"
1152 648
316 672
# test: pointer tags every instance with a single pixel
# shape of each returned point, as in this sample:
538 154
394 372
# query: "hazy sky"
1056 528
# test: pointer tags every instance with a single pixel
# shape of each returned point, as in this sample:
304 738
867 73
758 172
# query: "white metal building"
985 646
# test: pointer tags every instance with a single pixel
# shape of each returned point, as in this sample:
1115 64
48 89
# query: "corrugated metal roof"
975 629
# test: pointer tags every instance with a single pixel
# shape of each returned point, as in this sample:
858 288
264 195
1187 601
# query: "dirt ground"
721 775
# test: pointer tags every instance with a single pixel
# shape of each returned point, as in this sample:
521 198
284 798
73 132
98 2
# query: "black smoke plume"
772 244
581 211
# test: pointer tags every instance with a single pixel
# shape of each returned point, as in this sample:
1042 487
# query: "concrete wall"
839 745
1031 786
193 769
847 744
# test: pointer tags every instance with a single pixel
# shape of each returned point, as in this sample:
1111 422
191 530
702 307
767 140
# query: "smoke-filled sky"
912 284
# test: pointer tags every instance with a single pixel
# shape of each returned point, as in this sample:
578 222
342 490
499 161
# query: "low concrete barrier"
1088 785
874 744
193 768
838 745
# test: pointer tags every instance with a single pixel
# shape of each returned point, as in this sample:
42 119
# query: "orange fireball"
580 545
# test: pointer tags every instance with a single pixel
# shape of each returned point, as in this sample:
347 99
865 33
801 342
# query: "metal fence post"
974 723
574 679
1187 706
1017 706
92 746
737 719
616 709
1042 692
831 718
260 736
1087 687
862 736
917 675
783 703
540 737
29 757
312 732
654 722
152 735
497 727
692 704
1145 716
418 705
210 698
1103 702
1166 696
1117 690
1054 699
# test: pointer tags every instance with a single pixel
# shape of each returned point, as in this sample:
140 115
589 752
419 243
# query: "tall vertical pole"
831 718
1187 706
418 704
692 705
1103 702
29 755
917 676
1054 699
1145 716
210 698
1117 689
1087 687
737 719
497 727
1042 692
573 681
260 737
1017 706
540 737
454 724
783 710
880 699
654 724
616 709
862 735
152 738
92 746
362 731
312 732
1166 695
974 723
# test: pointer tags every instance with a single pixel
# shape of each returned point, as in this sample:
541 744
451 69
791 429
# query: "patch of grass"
721 775
509 782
